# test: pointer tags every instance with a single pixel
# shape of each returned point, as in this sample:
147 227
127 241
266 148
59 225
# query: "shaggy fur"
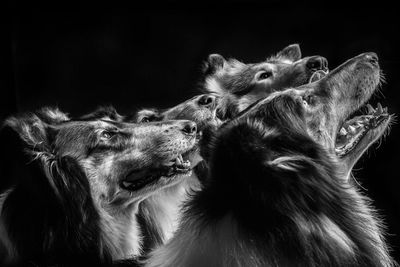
160 213
241 84
276 196
78 185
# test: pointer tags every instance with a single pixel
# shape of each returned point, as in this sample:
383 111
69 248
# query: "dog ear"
103 112
34 132
290 163
147 115
291 52
214 62
52 116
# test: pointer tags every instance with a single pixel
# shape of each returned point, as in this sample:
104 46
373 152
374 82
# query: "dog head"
123 162
274 170
324 109
200 109
242 84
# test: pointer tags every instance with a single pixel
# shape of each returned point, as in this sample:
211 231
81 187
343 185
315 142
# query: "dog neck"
120 231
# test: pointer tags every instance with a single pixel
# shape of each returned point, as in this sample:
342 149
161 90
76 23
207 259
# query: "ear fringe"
53 115
31 130
289 163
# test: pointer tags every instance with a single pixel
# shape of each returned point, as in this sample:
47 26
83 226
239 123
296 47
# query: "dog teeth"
186 164
385 109
179 160
343 131
379 108
352 129
371 110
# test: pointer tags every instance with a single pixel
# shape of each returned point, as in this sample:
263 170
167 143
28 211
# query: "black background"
150 56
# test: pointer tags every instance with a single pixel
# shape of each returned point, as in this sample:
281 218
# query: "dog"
79 185
276 195
241 84
160 213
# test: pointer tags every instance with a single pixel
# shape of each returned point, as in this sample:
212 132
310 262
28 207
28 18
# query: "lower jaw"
348 160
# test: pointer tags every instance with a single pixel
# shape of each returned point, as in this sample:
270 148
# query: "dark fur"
275 194
67 205
51 227
239 84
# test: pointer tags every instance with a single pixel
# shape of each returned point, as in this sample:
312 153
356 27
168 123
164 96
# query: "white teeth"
370 109
359 124
385 109
343 131
186 164
352 129
379 108
179 160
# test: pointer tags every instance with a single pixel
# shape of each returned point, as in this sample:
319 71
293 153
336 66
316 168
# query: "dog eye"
145 119
264 75
107 134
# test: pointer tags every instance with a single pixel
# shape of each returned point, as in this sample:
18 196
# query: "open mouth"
137 180
354 129
318 75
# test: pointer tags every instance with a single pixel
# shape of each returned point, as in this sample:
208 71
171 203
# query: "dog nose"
372 58
206 100
317 63
189 127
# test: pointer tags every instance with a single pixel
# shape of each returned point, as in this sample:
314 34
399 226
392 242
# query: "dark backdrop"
151 56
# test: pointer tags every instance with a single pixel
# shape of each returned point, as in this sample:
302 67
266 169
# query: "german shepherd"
242 84
79 184
276 195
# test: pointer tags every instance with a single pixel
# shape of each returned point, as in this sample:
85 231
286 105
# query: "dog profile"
160 213
79 183
241 84
276 195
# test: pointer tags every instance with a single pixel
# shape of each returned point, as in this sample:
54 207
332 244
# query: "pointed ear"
33 131
291 52
52 115
147 115
214 63
103 113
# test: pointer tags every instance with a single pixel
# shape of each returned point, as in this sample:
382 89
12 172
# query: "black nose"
189 127
317 63
372 58
206 100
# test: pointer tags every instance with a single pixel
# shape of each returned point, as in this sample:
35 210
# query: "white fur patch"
213 85
289 163
215 245
336 234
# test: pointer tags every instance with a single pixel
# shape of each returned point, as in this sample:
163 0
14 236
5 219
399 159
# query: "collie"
242 84
276 195
79 183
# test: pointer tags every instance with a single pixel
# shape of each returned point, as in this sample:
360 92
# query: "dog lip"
353 130
180 167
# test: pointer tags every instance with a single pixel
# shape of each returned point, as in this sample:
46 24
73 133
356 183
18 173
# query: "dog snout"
372 58
189 127
207 100
317 63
